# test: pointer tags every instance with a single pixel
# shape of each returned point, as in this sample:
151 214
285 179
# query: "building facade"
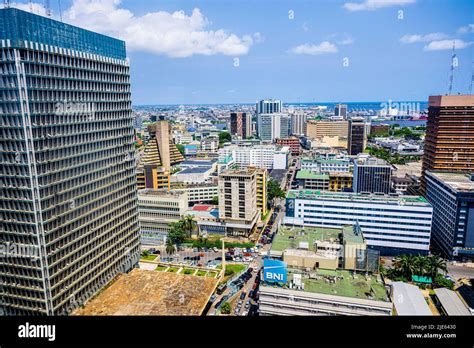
260 156
356 136
157 209
298 122
272 126
69 191
238 201
371 175
241 124
269 106
319 129
392 225
449 141
452 197
292 142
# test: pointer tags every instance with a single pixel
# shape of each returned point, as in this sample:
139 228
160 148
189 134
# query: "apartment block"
238 201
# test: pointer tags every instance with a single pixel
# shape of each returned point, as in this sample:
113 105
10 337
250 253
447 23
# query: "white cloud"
446 45
466 29
175 34
311 49
305 26
423 38
36 8
371 5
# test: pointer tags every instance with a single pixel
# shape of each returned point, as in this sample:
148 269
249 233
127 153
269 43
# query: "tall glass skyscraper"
68 198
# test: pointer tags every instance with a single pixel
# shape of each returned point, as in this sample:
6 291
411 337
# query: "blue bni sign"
274 271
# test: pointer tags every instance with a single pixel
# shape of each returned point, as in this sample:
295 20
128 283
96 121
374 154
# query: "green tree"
274 190
224 137
405 265
226 308
177 233
435 263
189 224
170 249
215 200
420 265
180 148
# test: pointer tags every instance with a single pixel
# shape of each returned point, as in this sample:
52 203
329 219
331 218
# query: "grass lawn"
201 273
173 269
149 257
211 274
160 268
188 271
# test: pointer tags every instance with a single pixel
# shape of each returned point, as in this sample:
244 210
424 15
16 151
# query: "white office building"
392 225
260 156
273 126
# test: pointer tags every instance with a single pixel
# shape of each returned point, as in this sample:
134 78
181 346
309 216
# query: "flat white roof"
451 302
408 300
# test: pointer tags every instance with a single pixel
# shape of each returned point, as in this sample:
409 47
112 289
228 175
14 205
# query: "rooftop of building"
160 193
343 283
457 181
317 194
143 292
291 237
304 174
194 170
198 163
19 26
239 172
367 160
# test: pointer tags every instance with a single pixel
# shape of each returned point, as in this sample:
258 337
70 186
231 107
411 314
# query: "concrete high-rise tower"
449 141
68 193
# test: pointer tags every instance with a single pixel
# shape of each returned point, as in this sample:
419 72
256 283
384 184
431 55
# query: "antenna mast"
453 65
47 7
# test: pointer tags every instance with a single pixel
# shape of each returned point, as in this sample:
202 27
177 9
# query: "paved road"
458 272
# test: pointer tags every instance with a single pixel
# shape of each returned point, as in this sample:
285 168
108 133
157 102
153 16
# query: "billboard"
274 271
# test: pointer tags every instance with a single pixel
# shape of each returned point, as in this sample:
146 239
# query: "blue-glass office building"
68 198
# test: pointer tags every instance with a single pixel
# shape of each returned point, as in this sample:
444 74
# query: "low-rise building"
452 197
326 292
408 300
292 142
392 225
157 209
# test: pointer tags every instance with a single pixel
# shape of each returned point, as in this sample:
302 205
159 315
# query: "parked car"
213 298
242 295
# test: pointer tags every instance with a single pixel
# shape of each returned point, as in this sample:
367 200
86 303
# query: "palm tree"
170 249
420 265
404 264
189 224
434 263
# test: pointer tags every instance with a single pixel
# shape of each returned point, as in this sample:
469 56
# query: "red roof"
202 207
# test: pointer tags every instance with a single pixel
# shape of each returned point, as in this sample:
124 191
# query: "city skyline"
298 42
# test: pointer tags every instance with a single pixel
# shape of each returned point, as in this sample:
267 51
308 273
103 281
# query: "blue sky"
295 56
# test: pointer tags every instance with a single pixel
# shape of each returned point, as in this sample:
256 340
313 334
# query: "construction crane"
453 65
